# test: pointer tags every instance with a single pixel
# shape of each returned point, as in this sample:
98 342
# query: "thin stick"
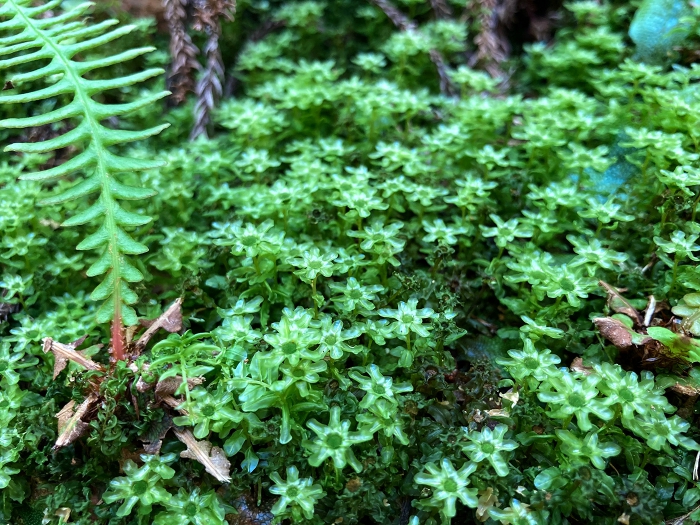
404 23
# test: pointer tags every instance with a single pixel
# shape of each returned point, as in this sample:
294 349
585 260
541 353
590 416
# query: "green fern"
27 39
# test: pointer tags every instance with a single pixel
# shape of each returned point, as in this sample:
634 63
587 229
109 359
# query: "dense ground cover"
399 292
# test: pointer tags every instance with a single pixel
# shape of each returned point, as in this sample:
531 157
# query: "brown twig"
261 32
182 50
209 88
681 519
404 23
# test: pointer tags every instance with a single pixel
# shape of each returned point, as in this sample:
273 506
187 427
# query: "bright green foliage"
449 485
531 362
588 448
518 514
388 293
299 494
335 441
377 387
489 445
192 509
574 397
32 37
141 485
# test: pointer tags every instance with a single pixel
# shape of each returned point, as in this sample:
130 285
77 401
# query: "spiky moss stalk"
59 38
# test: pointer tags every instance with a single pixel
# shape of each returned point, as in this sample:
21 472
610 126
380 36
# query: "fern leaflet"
29 38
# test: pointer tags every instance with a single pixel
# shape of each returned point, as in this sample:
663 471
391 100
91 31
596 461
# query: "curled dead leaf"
173 403
70 421
153 438
578 366
213 458
650 310
64 353
63 513
619 304
511 396
487 500
169 385
170 321
686 390
618 333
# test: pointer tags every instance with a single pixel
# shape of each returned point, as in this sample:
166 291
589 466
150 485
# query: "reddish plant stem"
118 350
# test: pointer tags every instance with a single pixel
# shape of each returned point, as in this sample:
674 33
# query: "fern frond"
27 38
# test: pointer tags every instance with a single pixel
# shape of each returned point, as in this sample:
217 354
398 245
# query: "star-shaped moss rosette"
518 514
335 441
632 395
142 485
530 363
587 449
192 508
490 445
299 494
570 396
377 386
449 485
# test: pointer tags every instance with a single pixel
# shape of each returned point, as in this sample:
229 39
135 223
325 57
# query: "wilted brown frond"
209 88
397 17
182 50
441 8
492 48
404 23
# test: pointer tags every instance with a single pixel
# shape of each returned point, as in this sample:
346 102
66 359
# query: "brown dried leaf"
70 424
618 333
170 320
686 390
63 513
578 366
213 458
64 353
169 385
153 439
487 500
173 403
619 304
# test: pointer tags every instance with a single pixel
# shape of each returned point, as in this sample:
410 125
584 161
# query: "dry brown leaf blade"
70 423
153 439
618 333
578 366
64 353
170 320
619 304
213 458
169 385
